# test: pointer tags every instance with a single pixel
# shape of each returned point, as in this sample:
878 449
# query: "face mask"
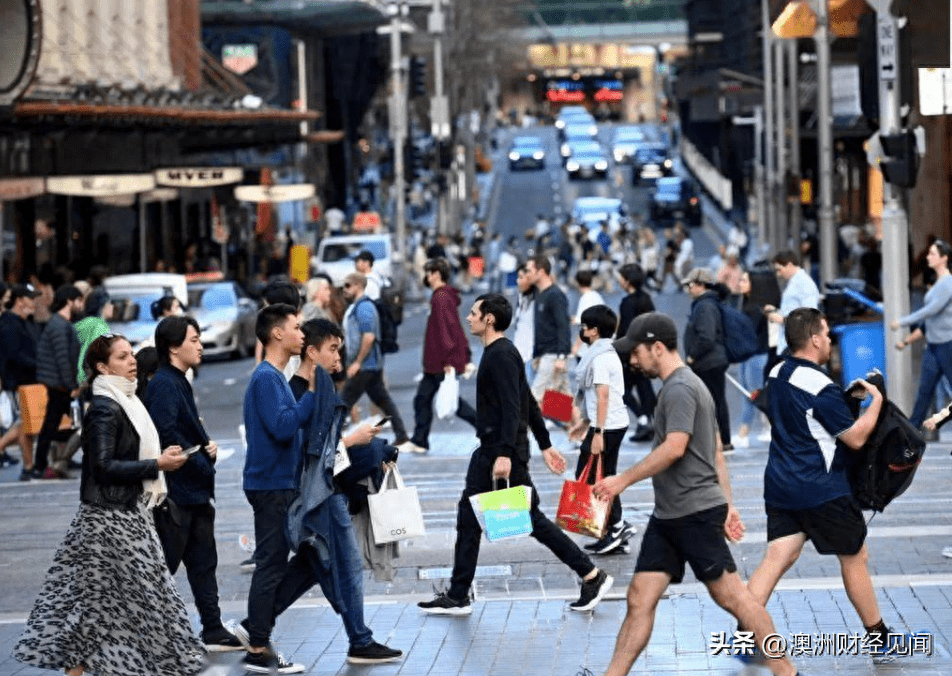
585 339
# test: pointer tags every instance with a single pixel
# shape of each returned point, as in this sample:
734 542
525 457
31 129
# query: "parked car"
335 254
675 198
526 152
226 316
650 162
587 162
626 140
132 297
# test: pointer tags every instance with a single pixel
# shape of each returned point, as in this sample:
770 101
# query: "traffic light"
900 162
417 76
413 162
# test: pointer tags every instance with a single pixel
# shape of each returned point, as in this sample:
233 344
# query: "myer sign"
197 177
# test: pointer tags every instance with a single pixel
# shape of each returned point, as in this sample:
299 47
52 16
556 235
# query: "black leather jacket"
112 472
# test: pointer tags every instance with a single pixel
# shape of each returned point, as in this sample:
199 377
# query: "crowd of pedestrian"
148 465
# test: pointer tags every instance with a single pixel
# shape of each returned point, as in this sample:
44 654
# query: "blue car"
526 152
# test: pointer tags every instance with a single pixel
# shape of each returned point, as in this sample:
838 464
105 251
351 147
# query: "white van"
335 255
132 297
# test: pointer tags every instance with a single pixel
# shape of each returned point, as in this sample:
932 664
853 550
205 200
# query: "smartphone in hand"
192 450
383 421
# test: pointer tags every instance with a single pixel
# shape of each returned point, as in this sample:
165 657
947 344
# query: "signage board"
886 30
300 263
106 185
199 177
274 193
20 188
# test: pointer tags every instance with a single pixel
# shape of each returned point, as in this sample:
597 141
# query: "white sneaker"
410 447
764 436
947 552
742 442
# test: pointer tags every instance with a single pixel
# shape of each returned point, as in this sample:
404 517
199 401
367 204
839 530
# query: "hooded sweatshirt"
445 343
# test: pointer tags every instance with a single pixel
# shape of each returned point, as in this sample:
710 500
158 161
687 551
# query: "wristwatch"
597 430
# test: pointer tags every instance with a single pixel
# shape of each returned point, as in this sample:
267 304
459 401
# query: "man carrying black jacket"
186 520
503 453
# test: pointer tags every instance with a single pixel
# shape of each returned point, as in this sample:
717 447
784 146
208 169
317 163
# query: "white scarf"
123 392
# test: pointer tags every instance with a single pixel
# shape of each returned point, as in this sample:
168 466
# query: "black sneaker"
607 544
592 591
269 662
221 641
7 460
30 474
642 433
248 565
373 654
443 604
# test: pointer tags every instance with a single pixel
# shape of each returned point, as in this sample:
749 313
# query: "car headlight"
619 155
668 164
513 156
538 155
601 165
593 130
565 150
572 165
560 124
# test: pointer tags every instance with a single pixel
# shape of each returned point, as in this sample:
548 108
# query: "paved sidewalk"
542 637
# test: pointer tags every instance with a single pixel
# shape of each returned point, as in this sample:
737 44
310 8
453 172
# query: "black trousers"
57 405
423 408
612 443
187 534
271 561
371 383
469 532
717 384
647 399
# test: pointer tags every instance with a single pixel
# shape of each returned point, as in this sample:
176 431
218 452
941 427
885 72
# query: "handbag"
395 512
579 510
557 405
6 410
504 513
447 397
32 407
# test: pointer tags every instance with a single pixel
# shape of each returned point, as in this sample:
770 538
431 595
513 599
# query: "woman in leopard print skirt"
108 605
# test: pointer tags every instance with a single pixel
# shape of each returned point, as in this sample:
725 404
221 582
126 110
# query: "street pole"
782 233
769 207
825 143
895 225
439 105
398 127
759 175
795 211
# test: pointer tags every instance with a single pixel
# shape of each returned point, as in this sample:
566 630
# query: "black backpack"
740 334
388 327
887 463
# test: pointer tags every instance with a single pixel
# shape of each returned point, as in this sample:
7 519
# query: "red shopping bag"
557 405
579 510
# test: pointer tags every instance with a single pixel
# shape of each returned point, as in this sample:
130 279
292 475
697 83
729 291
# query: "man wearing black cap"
18 362
57 355
693 509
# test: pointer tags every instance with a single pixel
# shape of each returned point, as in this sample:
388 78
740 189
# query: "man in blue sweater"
273 422
185 522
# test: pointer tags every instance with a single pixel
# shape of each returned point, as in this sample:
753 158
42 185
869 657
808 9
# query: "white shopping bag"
447 397
395 511
6 410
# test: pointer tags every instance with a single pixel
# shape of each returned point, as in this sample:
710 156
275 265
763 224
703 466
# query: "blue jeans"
936 362
752 378
304 571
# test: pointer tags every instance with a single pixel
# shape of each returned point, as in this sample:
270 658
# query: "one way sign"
887 48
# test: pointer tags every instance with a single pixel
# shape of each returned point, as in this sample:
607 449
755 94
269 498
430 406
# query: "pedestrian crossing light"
900 161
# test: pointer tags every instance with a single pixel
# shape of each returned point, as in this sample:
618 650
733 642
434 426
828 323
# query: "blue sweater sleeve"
281 416
936 300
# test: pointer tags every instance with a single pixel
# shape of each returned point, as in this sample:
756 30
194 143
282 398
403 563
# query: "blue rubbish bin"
862 349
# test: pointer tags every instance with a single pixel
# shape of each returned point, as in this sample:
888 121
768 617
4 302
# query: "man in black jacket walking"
505 410
18 338
704 349
57 356
636 303
185 522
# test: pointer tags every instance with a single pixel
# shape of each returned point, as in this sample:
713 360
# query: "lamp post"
398 123
769 227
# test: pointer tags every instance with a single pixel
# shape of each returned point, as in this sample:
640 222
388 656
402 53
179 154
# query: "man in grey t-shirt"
693 508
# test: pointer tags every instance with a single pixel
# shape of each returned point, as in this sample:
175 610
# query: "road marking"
229 381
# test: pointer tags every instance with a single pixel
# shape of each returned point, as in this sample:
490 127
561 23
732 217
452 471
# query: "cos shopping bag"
447 397
395 512
579 510
504 513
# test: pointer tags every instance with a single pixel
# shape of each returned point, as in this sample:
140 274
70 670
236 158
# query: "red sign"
564 96
608 95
